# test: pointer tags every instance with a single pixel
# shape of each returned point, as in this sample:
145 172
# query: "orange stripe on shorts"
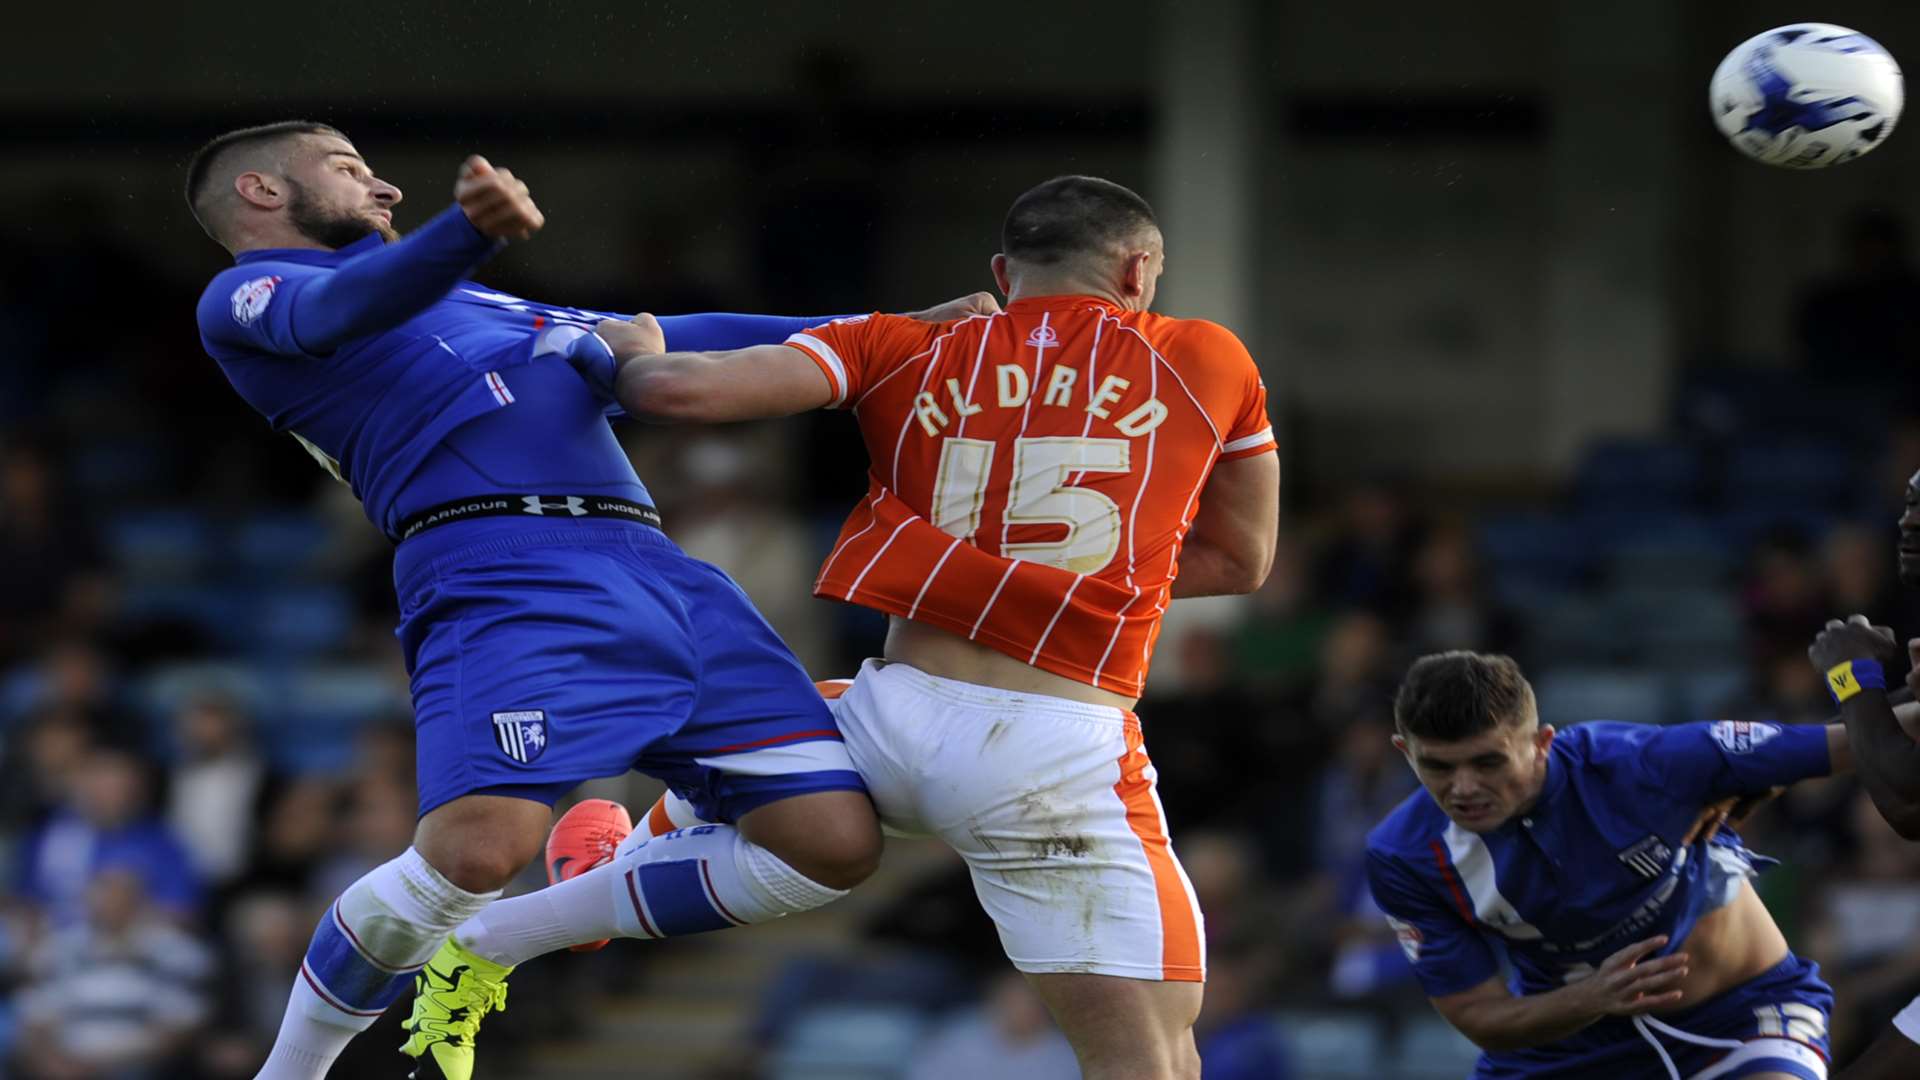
658 823
1180 948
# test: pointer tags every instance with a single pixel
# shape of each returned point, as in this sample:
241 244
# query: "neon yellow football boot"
450 997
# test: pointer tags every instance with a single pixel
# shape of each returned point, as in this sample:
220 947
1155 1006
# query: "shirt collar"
1037 304
313 256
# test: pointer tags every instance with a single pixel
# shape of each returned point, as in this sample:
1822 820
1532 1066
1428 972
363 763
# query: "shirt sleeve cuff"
1249 445
829 361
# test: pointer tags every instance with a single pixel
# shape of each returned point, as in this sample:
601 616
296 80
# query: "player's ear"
1000 276
1133 276
260 189
1543 738
1400 744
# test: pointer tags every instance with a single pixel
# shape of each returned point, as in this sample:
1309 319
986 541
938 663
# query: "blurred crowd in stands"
204 732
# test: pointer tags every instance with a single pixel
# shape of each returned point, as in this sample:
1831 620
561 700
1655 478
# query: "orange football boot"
583 838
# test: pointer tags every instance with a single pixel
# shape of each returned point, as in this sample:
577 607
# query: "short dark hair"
1456 695
1073 215
200 169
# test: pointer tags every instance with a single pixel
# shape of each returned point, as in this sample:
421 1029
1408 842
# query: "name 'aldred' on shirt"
1064 433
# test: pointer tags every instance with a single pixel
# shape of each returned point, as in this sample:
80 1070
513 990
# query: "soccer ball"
1807 96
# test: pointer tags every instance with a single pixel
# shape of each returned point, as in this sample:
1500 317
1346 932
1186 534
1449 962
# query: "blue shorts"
1776 1022
541 658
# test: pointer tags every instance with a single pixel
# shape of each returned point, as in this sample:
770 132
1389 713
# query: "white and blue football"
1807 96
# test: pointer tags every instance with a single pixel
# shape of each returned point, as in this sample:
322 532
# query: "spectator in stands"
118 993
1868 937
1363 783
1784 595
106 821
1450 609
39 762
385 748
731 515
1010 1035
52 572
378 826
214 785
1367 562
1237 1034
1859 578
1864 320
69 673
298 820
266 934
1206 771
1277 648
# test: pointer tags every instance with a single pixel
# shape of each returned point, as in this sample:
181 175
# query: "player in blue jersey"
1630 948
553 633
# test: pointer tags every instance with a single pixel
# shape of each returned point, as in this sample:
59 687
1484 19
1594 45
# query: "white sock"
362 958
686 882
312 1034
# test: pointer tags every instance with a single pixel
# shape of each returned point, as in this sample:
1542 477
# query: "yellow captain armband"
1848 678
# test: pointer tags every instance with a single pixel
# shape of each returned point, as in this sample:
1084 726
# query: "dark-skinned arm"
1885 756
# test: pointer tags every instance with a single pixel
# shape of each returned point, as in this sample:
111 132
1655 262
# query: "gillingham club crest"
521 735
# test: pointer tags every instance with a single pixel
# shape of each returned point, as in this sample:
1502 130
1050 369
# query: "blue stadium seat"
299 621
162 691
1578 629
1543 550
1747 524
1819 474
1676 627
1576 695
849 1042
1335 1045
1430 1049
161 545
1638 474
328 695
1705 693
279 547
1685 558
222 614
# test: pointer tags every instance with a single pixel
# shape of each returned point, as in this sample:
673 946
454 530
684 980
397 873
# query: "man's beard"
331 228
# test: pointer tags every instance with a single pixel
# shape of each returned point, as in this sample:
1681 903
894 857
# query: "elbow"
1487 1037
1250 571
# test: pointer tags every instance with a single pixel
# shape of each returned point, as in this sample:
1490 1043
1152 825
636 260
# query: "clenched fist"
498 204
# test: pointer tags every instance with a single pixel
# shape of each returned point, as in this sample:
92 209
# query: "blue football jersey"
417 386
1596 864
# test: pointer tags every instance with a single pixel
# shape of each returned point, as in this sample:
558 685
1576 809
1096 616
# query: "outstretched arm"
385 287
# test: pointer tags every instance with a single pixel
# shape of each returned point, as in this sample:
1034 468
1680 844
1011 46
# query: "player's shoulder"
1601 741
1408 832
239 295
1194 337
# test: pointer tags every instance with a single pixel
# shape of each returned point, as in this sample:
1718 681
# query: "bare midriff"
1733 945
949 656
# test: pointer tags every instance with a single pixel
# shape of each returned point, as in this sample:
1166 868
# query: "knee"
476 867
843 857
480 848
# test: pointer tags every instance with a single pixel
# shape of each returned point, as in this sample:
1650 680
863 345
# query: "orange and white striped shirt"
1035 471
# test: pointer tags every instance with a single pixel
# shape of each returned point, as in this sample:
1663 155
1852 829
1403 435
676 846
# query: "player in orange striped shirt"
1044 480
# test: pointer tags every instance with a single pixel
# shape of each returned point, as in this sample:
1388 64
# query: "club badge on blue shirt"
521 735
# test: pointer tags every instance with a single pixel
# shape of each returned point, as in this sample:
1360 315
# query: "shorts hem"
736 806
1143 972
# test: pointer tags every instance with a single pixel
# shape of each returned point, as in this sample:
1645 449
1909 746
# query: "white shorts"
1052 804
